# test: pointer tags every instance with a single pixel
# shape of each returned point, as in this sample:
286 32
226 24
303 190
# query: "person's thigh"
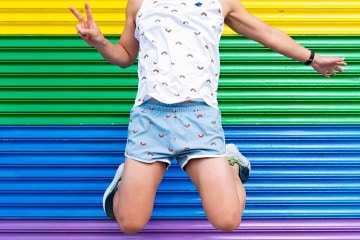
133 202
215 182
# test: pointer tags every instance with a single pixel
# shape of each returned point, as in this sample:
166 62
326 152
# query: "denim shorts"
160 132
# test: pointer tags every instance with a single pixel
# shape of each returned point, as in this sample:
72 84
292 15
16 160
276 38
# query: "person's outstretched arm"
243 23
125 51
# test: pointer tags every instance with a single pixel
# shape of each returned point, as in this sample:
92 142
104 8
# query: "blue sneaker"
109 194
234 156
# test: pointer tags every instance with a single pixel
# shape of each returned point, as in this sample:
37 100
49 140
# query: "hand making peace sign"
87 29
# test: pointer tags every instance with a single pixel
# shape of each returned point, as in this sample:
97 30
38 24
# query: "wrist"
310 59
101 44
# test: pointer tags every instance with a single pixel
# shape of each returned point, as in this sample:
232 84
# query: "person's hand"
87 28
328 65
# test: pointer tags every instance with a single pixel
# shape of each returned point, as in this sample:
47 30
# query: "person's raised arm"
122 53
243 23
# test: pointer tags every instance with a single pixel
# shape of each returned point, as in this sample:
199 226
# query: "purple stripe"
288 229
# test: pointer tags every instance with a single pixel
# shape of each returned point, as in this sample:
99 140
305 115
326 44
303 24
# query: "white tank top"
179 50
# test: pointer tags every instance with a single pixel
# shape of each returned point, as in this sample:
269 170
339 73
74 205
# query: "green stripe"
60 80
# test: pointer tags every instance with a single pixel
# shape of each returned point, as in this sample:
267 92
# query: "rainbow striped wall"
64 110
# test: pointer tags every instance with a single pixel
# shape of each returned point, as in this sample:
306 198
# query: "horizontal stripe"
295 17
60 80
274 229
49 172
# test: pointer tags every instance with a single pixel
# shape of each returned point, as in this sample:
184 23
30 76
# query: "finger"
79 30
342 63
88 12
82 31
332 72
77 14
325 74
339 69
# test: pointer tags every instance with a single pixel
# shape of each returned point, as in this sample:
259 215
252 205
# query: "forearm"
284 44
280 42
251 27
114 53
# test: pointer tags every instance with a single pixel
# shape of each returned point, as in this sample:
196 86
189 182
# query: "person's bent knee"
130 226
227 224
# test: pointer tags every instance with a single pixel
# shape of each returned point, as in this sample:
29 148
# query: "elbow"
127 61
126 57
124 65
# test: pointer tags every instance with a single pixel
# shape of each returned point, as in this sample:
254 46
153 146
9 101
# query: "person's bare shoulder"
229 6
132 8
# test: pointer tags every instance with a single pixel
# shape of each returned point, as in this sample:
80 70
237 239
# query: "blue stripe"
61 172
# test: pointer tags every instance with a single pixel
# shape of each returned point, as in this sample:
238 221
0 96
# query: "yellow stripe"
296 17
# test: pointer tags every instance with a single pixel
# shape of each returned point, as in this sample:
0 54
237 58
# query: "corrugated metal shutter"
298 172
305 179
59 80
341 229
295 16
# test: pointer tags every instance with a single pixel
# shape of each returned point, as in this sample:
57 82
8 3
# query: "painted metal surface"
286 229
60 172
59 80
305 181
296 17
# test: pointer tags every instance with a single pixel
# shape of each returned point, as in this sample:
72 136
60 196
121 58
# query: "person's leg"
222 193
134 200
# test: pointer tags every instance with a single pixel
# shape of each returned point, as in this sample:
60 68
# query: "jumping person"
176 114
